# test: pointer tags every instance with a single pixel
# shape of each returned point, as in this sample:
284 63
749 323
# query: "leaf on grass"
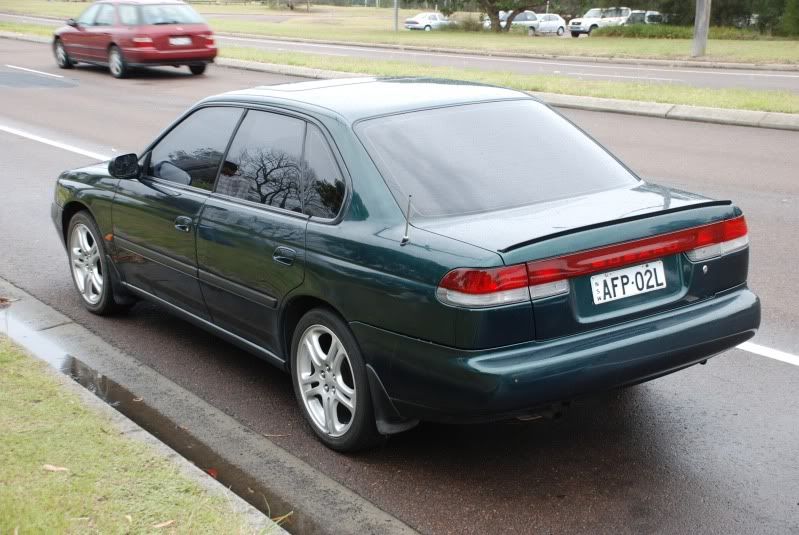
213 472
164 524
129 519
53 468
137 399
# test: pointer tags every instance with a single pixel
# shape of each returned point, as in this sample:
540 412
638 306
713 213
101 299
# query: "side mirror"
125 166
72 22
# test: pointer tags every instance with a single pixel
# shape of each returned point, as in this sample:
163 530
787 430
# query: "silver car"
427 22
551 23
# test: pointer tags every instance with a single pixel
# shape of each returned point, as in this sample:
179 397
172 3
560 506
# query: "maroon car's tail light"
142 42
209 41
549 277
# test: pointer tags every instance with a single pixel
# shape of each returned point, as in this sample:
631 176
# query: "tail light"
209 41
142 42
537 279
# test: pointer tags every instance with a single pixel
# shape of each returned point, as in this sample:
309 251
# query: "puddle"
155 423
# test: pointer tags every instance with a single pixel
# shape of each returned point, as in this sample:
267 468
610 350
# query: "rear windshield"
488 156
169 14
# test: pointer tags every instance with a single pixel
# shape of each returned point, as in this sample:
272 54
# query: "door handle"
183 223
284 255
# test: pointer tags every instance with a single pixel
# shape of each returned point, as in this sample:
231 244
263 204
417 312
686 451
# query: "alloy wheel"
87 269
326 380
61 54
115 62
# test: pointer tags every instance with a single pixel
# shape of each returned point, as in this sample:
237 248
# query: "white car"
551 23
525 19
598 18
427 22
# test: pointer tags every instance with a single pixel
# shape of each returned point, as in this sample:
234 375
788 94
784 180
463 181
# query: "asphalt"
582 69
707 450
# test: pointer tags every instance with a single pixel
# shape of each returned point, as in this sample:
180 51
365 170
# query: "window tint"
105 17
264 164
170 14
468 158
128 15
322 185
87 17
192 151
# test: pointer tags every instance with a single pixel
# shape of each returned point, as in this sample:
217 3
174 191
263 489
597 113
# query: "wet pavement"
707 450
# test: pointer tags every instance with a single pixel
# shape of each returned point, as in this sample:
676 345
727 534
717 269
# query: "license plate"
627 282
180 41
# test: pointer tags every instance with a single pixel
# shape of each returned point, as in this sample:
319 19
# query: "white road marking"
775 354
709 72
618 76
54 143
33 71
757 349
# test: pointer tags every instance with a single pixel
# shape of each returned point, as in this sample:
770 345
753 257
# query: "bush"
665 31
465 23
790 19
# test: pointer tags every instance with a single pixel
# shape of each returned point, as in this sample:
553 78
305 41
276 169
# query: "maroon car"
136 33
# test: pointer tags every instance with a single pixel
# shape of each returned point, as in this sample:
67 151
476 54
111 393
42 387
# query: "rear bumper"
136 57
431 382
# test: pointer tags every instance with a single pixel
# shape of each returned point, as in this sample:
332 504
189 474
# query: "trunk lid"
188 36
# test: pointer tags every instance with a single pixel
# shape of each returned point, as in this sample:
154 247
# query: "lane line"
54 143
33 71
619 76
757 349
709 72
775 354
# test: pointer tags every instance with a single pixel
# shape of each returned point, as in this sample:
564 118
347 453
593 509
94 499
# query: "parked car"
598 18
551 23
353 233
636 16
428 22
525 19
124 34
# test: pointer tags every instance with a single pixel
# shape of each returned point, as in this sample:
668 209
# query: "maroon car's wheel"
61 57
197 69
116 63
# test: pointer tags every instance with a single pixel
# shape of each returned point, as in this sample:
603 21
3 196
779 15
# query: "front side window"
466 159
87 17
191 152
169 14
105 17
128 15
264 163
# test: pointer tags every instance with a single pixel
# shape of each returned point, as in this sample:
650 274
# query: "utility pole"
701 27
396 15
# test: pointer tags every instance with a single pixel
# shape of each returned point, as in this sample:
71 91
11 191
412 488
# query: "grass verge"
374 25
31 29
65 469
779 101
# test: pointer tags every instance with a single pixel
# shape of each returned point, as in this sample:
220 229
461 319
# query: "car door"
98 35
77 42
155 216
251 236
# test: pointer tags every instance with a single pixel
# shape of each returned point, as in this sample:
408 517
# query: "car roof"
359 98
141 2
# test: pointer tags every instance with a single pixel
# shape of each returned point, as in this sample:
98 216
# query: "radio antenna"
406 238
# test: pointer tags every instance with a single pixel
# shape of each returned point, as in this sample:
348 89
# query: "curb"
785 67
324 506
755 119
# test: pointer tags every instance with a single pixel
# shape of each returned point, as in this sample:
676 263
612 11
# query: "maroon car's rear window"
488 156
169 14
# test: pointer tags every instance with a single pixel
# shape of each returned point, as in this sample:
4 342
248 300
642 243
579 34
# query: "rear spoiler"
614 222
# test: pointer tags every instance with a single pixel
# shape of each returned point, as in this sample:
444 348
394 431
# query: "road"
583 70
711 449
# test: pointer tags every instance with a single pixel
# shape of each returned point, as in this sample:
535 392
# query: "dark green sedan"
411 249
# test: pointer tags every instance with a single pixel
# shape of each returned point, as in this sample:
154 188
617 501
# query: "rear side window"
323 187
264 163
128 15
105 17
169 14
191 152
487 156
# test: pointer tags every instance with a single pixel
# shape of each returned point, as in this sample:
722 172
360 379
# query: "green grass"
111 484
778 101
372 25
21 27
663 31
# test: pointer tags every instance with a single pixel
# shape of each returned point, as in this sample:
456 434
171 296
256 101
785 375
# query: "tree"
790 18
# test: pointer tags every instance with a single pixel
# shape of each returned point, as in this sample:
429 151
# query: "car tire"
592 28
62 59
561 31
575 34
428 28
330 383
116 63
89 267
197 70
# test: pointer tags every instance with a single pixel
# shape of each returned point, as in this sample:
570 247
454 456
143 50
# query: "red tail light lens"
142 42
475 287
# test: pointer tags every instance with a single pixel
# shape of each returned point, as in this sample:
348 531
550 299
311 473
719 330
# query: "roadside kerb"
757 119
787 67
337 509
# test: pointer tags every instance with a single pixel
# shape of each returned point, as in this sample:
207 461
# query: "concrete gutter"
323 505
757 119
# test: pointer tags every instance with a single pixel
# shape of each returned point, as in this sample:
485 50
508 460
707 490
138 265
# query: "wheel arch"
70 209
294 309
